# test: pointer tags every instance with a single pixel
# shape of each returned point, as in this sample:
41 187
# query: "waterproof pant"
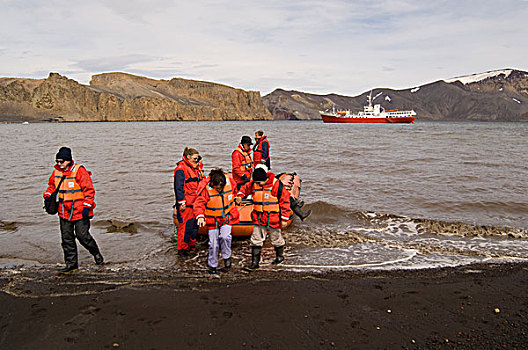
79 229
219 239
259 236
187 231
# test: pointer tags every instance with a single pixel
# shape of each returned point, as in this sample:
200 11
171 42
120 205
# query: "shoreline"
475 306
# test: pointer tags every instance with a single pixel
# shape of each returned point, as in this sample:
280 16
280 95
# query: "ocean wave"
333 226
435 227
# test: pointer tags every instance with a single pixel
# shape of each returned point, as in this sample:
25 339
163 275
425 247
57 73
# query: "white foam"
412 253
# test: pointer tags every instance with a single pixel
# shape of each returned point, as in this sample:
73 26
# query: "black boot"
98 259
68 269
300 203
227 264
279 255
255 258
294 205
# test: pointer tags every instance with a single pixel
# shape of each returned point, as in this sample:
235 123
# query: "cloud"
339 46
111 63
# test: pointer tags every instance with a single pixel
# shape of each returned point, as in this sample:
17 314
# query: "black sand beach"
471 307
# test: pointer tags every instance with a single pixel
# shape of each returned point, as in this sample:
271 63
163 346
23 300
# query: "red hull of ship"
390 120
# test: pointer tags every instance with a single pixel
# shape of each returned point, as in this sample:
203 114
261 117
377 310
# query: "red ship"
370 114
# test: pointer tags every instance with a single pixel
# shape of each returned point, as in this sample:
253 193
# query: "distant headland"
500 95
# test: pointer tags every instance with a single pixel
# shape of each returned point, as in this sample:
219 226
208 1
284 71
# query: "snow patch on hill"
480 76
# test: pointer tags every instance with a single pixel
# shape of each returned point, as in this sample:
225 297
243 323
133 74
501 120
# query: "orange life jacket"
220 204
263 201
247 163
69 189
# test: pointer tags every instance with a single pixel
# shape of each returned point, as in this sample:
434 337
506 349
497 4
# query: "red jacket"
202 199
237 159
261 152
274 217
84 180
186 180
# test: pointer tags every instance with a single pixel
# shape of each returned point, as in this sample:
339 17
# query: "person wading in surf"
76 196
187 175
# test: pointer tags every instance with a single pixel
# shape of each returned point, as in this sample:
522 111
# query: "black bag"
52 204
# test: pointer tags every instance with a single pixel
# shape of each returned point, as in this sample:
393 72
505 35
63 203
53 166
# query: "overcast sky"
330 46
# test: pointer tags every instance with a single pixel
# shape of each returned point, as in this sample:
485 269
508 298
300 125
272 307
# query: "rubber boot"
294 205
255 258
227 264
279 251
68 269
99 260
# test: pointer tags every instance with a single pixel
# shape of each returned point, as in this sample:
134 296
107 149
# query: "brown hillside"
125 97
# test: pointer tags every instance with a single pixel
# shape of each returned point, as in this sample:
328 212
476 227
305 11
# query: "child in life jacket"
215 208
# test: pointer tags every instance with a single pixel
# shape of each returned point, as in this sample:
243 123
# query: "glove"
86 213
47 200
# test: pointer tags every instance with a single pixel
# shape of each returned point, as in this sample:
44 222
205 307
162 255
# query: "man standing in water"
76 204
261 150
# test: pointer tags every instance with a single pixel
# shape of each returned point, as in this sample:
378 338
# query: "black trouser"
82 232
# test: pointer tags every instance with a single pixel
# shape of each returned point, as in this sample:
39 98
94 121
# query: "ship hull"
388 120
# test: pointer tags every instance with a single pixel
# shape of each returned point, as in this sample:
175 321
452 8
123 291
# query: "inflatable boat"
291 182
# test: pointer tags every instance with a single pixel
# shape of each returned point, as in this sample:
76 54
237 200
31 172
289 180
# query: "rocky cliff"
491 96
125 97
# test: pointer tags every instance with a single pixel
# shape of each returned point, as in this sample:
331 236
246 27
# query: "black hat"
260 175
64 154
246 140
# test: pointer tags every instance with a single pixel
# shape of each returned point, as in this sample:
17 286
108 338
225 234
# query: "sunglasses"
197 159
60 161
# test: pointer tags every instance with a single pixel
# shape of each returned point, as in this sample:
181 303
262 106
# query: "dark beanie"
260 175
246 140
64 153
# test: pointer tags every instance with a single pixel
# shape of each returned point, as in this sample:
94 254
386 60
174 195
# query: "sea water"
382 196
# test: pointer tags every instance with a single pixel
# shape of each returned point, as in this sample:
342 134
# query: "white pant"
219 239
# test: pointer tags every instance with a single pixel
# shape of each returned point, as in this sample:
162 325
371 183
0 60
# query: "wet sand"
472 307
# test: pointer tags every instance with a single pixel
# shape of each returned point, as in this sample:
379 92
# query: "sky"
330 46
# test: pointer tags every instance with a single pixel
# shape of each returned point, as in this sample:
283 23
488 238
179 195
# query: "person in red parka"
187 175
76 204
242 164
261 150
271 212
215 208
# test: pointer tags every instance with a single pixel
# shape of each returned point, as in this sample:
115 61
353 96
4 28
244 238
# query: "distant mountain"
500 95
125 97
